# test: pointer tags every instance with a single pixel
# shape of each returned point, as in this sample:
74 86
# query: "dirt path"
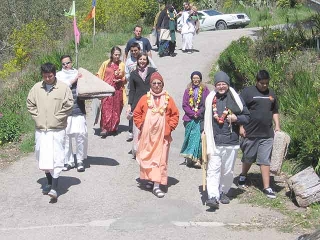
105 201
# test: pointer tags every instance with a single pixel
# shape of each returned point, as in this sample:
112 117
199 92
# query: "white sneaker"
269 193
53 194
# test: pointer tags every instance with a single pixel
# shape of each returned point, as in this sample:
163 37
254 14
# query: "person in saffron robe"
156 116
193 106
112 72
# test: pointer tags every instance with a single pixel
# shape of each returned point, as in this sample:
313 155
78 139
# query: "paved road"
105 201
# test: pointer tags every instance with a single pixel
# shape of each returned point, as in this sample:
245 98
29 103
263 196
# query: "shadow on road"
203 195
142 184
99 161
121 128
64 183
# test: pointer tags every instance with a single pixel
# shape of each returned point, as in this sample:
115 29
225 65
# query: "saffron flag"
76 31
92 13
72 11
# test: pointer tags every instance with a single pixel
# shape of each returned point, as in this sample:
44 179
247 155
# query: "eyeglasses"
157 83
66 63
221 84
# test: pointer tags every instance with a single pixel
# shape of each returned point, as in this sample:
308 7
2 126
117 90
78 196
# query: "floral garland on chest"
152 105
219 119
195 104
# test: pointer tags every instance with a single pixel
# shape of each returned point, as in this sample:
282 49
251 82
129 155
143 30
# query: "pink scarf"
142 73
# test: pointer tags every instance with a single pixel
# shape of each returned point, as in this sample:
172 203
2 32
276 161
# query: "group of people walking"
220 117
167 22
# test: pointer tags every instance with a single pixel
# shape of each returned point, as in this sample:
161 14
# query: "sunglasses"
157 83
66 63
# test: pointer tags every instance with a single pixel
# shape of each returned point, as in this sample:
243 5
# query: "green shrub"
236 61
16 120
10 129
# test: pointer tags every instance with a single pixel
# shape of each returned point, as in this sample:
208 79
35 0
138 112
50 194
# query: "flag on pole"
92 13
76 31
72 11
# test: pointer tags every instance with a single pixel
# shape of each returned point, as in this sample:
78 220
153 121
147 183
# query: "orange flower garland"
153 108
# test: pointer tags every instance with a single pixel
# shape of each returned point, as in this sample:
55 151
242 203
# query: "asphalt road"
105 202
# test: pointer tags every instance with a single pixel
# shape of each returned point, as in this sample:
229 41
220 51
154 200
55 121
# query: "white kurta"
188 30
50 150
77 129
77 126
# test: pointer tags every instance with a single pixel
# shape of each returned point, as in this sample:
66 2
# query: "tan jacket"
50 109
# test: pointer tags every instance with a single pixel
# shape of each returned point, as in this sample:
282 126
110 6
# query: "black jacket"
225 135
138 87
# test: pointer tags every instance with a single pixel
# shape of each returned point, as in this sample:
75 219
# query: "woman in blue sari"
193 105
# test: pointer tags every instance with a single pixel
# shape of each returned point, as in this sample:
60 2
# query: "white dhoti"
220 170
187 41
50 150
77 129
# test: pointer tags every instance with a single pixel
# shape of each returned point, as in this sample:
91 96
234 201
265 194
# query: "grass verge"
298 219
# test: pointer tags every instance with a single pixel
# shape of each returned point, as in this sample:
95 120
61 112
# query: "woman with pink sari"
112 72
156 116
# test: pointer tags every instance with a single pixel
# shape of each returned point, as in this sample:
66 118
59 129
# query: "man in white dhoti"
50 102
77 126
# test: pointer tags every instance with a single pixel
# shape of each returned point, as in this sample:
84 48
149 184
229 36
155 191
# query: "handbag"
165 34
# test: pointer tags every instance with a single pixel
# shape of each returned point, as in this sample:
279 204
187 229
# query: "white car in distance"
212 19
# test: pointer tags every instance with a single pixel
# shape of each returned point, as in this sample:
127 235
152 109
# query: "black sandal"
158 193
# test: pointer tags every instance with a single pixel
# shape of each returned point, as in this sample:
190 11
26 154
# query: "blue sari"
192 147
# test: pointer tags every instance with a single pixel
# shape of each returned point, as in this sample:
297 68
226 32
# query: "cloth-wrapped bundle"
90 86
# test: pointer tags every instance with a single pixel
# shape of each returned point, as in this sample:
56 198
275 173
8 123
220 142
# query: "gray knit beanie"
221 77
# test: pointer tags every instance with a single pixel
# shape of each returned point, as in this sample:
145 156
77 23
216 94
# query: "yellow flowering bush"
113 15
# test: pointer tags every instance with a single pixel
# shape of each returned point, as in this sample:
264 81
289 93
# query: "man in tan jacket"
50 102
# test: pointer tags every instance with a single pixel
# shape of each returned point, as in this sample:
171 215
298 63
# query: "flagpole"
75 37
94 28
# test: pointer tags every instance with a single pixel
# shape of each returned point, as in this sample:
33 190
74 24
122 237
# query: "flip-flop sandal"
158 193
149 185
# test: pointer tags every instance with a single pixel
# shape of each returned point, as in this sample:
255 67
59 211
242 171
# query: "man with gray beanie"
224 113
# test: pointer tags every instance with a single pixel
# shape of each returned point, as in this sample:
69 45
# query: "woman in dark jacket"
139 86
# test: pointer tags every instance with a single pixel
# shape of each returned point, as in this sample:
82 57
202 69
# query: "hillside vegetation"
34 32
